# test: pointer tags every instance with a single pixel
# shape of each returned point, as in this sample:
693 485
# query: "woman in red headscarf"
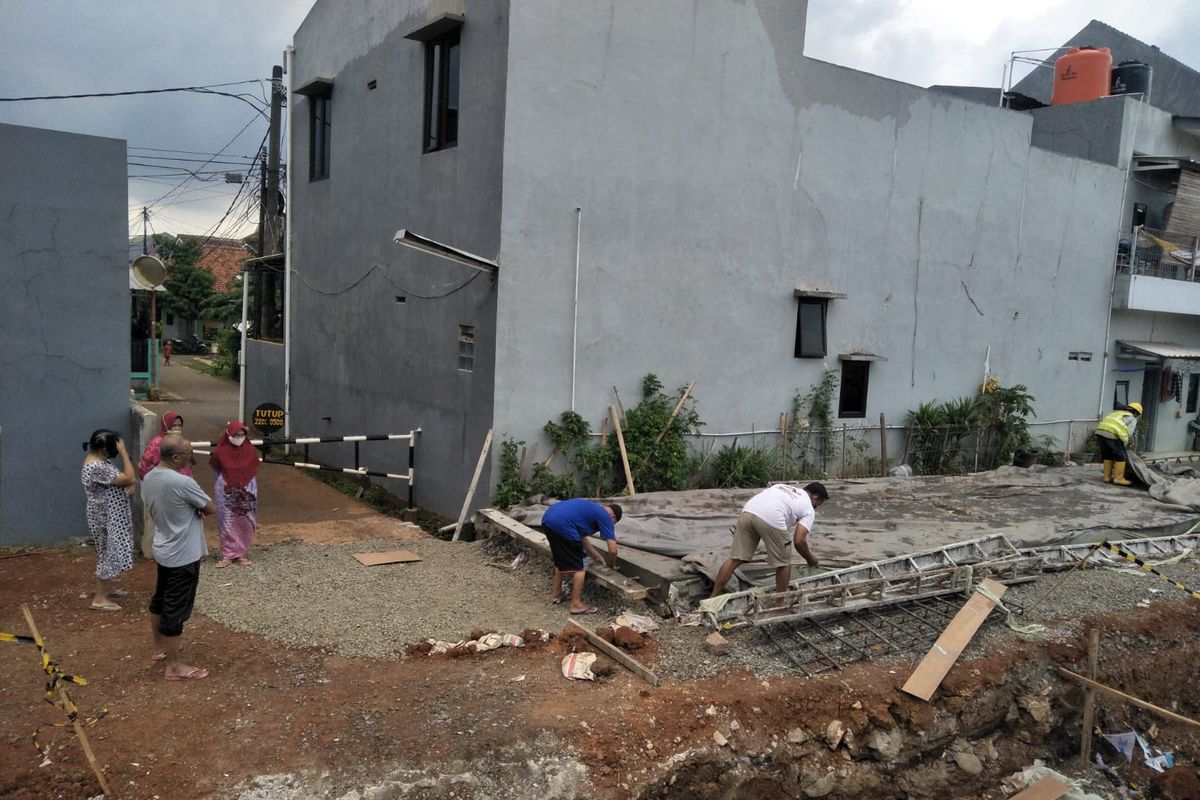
171 423
234 462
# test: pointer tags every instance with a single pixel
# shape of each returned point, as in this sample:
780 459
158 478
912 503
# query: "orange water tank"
1083 74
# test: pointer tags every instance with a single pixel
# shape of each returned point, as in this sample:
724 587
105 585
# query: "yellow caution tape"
16 638
1135 560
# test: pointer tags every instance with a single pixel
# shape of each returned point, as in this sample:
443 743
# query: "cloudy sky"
51 47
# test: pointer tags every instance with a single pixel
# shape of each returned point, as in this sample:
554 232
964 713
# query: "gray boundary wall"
64 322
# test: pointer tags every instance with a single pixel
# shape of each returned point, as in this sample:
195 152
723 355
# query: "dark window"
466 348
1121 394
1193 391
441 91
810 329
320 108
853 400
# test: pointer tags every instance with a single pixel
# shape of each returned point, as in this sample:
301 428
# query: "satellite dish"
149 270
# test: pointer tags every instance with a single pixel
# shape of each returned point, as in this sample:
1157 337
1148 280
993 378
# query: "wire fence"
860 451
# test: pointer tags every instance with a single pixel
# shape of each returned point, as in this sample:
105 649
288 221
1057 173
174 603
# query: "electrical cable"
210 89
388 278
227 145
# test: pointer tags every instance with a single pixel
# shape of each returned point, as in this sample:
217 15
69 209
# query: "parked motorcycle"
191 346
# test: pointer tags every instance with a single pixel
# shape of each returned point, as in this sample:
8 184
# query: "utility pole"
270 203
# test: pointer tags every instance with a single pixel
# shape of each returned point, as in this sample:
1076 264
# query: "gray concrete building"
669 188
64 322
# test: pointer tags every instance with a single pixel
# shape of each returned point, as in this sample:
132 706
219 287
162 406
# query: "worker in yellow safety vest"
1112 435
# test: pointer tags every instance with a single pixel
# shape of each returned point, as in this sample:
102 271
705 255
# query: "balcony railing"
1145 251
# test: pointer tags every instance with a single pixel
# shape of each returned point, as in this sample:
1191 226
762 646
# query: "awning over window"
1131 349
317 87
858 355
804 290
443 23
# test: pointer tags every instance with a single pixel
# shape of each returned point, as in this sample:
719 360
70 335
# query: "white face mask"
238 440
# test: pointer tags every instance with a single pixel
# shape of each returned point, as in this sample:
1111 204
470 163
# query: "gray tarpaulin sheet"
869 519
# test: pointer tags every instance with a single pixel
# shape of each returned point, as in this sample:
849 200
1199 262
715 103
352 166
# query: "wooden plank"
617 654
624 455
1089 700
462 515
682 399
929 674
1048 788
1128 698
391 557
65 702
627 588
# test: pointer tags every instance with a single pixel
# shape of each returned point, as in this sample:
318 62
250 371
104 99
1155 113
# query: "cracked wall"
64 322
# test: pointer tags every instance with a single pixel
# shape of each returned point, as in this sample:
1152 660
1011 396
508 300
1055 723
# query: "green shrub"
744 467
511 490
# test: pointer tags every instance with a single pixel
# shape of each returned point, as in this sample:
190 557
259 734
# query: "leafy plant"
1004 418
743 467
512 488
812 440
654 440
1048 451
544 481
927 437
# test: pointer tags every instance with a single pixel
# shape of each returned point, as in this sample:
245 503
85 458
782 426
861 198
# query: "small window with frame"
1121 394
320 108
1193 395
466 348
810 327
852 399
441 90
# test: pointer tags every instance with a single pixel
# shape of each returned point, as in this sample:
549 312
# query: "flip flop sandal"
159 657
105 607
556 602
245 562
118 593
589 610
222 564
194 675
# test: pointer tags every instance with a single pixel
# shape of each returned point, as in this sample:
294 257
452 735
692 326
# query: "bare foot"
185 672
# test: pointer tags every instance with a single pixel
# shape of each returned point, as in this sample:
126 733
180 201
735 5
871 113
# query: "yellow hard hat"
1136 408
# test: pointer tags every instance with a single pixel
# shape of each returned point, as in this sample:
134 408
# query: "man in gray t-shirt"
178 505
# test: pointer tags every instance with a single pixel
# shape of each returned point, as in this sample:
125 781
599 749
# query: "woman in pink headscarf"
234 462
171 423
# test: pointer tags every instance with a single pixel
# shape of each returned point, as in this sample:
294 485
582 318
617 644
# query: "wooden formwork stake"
624 455
883 459
682 399
462 515
66 704
1089 699
617 654
1128 698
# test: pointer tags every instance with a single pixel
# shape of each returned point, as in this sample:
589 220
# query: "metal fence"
858 451
1157 253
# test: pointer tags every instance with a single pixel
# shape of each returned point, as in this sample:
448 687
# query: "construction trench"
1006 715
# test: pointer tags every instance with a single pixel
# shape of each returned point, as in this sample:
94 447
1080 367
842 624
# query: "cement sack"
578 667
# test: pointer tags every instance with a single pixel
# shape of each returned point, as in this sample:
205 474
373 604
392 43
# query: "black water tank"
1132 77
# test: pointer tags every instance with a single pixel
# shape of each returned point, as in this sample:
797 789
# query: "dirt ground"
277 721
280 722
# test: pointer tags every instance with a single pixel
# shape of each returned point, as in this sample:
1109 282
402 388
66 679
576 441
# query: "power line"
187 152
248 99
219 152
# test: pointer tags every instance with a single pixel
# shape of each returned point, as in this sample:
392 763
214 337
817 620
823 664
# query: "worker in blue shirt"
568 524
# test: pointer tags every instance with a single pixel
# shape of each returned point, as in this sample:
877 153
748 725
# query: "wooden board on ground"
610 579
617 654
391 557
1048 788
929 674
